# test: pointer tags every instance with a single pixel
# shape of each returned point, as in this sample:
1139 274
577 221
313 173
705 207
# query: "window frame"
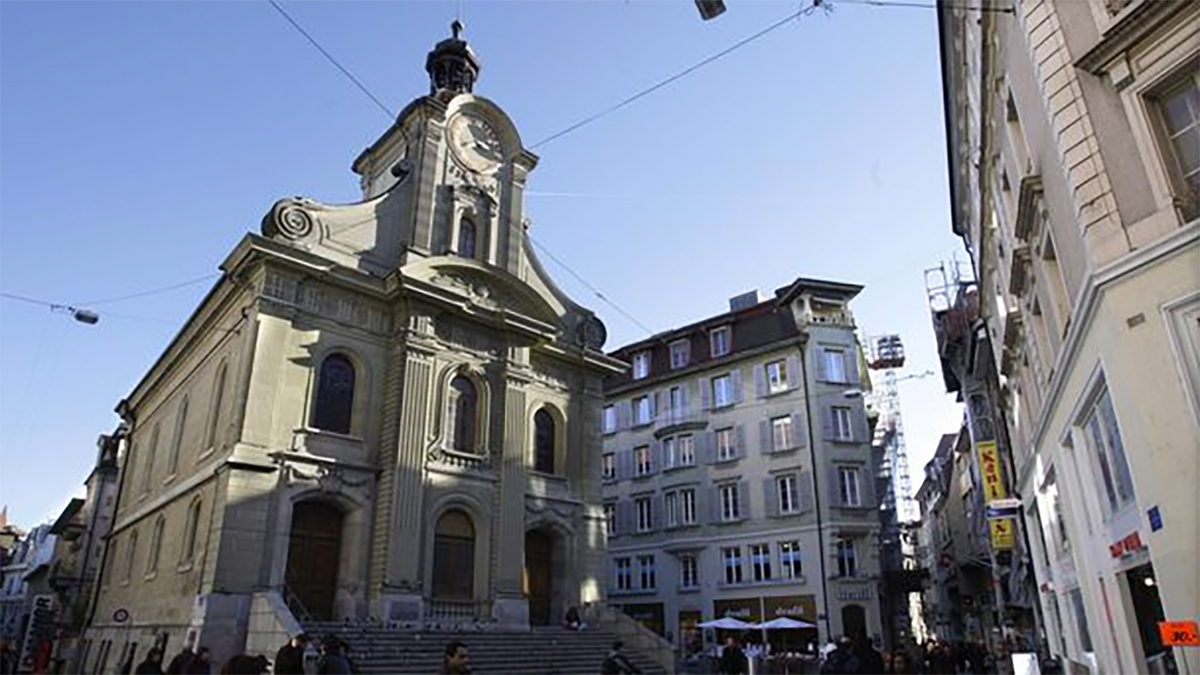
779 382
682 348
689 571
842 420
849 493
686 442
835 362
687 507
790 495
640 404
647 569
1106 474
540 439
731 557
608 415
790 564
608 466
623 571
643 461
760 562
730 502
847 558
725 344
671 508
717 388
1154 99
644 508
610 518
781 426
640 369
326 414
725 452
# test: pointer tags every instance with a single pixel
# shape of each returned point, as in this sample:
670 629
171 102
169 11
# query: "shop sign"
803 607
1002 534
38 634
863 593
649 615
989 471
1127 546
1004 508
1179 633
743 609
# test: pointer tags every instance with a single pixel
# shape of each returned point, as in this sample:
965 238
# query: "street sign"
1179 633
1003 508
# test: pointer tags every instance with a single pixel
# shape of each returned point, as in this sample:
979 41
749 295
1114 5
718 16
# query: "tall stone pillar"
399 541
511 608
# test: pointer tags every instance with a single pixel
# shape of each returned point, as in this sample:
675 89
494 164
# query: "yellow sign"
989 471
1002 534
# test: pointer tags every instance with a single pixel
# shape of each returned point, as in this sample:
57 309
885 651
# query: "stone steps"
545 651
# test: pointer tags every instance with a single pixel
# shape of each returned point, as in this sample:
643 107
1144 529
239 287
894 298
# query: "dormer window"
718 339
641 365
681 353
466 238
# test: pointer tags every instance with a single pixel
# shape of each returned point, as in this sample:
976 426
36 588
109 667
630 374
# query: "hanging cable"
683 73
590 287
363 88
153 291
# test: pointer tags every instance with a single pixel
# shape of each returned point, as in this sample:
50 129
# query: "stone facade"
729 439
370 414
1073 129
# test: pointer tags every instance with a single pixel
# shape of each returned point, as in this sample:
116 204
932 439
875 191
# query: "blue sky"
139 141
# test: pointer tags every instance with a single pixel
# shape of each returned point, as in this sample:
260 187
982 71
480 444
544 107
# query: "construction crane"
886 355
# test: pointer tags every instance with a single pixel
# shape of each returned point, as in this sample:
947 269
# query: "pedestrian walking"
200 665
152 665
333 661
456 660
289 660
842 660
180 661
244 664
616 663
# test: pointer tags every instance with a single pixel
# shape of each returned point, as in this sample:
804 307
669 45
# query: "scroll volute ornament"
288 219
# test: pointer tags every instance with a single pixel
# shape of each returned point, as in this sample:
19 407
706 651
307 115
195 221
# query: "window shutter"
624 414
760 381
793 372
683 401
822 369
804 487
658 514
866 486
739 441
835 489
764 437
851 356
624 464
706 446
655 456
861 430
656 402
624 517
799 430
714 504
735 379
744 500
771 497
827 425
705 393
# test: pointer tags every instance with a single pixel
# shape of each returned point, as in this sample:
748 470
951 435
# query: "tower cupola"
452 66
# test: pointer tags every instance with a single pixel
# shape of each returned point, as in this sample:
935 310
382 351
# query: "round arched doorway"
454 557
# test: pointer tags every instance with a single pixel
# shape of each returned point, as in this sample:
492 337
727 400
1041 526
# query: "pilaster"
511 608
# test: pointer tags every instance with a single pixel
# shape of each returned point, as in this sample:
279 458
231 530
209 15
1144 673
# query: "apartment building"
1074 146
737 471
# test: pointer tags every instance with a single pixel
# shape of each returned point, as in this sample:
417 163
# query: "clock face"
475 143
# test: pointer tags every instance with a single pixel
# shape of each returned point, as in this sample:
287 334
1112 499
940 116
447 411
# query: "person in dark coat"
201 665
843 661
289 660
733 659
334 661
456 660
244 664
180 661
869 658
152 665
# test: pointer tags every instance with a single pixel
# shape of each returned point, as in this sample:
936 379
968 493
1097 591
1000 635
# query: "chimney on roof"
749 299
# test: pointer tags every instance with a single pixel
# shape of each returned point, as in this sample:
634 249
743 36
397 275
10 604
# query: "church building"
385 410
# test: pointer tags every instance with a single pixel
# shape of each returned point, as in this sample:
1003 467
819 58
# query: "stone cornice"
1136 24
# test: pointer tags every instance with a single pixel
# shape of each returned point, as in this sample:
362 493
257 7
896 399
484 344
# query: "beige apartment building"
737 472
384 409
1074 148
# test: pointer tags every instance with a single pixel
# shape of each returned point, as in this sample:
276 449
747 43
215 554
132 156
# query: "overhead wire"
362 87
153 291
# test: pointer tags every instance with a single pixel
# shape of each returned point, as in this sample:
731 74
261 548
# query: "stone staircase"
542 651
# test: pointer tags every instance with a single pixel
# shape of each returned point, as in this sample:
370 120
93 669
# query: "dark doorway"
312 564
854 623
1148 609
454 557
538 568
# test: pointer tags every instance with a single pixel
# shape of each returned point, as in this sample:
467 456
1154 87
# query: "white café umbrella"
727 623
785 622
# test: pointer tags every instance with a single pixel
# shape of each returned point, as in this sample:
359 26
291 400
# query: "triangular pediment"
480 288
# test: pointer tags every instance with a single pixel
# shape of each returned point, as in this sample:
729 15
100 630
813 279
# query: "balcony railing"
458 611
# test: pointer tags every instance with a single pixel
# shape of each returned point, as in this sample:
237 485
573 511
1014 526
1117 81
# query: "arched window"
155 545
190 532
466 238
454 557
130 555
177 445
335 395
463 405
150 455
543 441
214 413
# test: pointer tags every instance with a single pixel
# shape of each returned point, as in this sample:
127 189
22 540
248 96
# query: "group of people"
935 657
334 659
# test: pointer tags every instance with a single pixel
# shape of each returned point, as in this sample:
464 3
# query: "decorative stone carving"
335 304
328 477
591 333
457 334
290 219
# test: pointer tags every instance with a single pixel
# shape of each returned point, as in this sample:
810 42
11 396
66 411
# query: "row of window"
782 563
186 554
153 448
720 342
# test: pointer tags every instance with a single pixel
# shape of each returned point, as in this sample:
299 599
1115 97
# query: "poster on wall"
1002 533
